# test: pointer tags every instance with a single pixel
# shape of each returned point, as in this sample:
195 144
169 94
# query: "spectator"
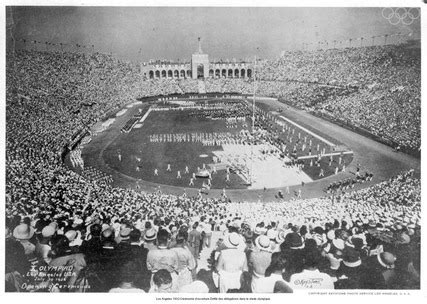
380 273
72 264
128 273
186 261
162 280
194 240
259 260
231 264
139 260
163 258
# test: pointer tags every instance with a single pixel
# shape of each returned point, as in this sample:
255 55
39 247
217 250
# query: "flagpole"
253 125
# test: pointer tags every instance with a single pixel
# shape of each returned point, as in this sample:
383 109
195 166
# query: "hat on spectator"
235 224
232 240
88 220
280 238
104 226
54 225
386 259
71 235
195 287
23 232
150 235
48 231
350 223
356 242
258 230
125 231
262 242
318 239
338 243
39 225
75 237
331 235
397 227
380 226
403 238
351 257
294 240
411 226
77 222
318 230
108 232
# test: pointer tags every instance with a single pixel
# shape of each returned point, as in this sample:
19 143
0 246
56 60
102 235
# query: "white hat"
48 231
262 242
232 240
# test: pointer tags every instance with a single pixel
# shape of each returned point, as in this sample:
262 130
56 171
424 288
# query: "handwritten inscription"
309 283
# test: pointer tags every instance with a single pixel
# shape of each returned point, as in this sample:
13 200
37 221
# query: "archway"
211 73
157 74
230 73
176 74
182 74
249 73
242 73
224 73
217 73
151 74
200 71
170 74
236 73
163 74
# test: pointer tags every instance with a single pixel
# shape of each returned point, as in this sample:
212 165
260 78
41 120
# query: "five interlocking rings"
401 14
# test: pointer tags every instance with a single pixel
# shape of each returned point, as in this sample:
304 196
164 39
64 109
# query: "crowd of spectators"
377 88
67 233
121 239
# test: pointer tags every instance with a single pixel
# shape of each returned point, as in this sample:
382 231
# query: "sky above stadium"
144 33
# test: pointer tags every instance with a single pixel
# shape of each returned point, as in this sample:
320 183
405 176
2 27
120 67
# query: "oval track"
373 156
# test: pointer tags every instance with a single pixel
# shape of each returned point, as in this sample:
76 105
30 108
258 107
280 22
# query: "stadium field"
102 153
150 147
136 145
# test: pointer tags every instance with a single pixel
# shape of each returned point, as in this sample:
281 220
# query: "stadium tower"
199 63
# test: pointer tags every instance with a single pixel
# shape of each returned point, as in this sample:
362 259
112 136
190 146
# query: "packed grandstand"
67 233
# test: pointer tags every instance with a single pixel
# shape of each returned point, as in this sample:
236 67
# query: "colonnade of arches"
213 73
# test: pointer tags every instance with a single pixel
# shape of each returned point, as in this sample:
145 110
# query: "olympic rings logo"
401 14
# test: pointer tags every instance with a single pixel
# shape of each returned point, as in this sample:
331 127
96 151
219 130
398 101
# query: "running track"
373 156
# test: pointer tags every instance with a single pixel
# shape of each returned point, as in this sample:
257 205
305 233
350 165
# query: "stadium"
247 176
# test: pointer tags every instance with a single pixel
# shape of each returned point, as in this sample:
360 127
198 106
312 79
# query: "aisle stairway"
181 90
201 86
202 263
